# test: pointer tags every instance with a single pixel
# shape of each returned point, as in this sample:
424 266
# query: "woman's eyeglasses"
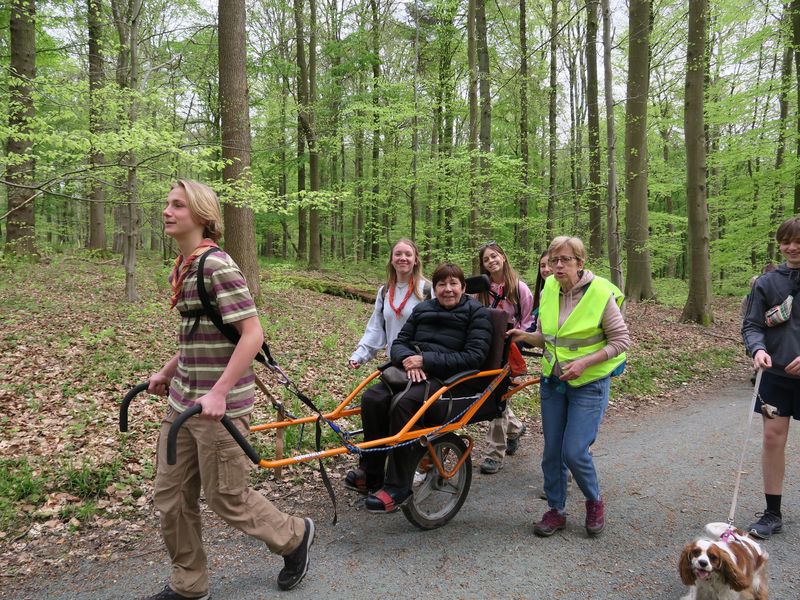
488 244
561 259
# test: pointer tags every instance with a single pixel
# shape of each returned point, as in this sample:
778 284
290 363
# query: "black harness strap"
497 298
264 357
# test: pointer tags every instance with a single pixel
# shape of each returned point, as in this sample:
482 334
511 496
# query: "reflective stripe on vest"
582 332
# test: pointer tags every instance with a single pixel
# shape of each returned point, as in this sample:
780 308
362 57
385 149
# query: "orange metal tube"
337 412
439 465
519 387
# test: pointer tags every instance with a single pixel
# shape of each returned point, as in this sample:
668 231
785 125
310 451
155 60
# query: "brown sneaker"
595 516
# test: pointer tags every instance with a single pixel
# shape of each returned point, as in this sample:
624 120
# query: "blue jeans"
570 419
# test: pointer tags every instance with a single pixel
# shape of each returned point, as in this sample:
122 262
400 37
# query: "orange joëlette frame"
406 433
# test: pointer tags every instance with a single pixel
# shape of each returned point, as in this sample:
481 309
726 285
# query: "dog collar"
728 536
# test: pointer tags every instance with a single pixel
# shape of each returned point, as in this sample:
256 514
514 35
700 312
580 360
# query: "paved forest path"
665 472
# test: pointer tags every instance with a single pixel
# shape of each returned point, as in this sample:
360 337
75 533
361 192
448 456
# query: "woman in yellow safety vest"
584 337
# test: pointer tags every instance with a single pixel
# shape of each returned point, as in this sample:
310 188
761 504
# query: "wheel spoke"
425 488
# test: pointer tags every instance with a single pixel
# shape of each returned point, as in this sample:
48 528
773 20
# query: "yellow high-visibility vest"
582 333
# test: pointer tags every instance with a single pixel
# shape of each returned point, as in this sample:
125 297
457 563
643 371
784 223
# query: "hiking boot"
295 565
551 522
491 466
767 524
595 516
169 594
513 443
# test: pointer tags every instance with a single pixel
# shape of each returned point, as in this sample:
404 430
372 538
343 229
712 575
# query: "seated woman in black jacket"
443 336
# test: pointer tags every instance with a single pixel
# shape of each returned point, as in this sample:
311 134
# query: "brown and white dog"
727 565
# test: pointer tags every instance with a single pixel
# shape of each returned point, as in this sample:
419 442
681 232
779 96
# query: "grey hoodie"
781 342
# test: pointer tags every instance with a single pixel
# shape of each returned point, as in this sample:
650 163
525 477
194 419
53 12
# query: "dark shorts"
781 392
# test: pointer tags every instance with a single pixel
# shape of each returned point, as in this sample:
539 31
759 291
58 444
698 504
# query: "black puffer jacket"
781 342
451 341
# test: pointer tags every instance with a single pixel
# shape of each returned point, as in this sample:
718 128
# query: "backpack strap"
229 331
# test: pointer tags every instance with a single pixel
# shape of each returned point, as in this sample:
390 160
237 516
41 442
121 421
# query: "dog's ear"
735 577
685 565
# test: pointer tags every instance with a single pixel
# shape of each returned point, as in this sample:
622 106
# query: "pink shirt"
525 305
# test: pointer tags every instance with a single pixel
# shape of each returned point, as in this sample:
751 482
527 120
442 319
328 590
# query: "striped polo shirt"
204 357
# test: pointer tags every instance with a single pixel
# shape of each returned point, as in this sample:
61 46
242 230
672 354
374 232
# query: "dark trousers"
379 422
380 419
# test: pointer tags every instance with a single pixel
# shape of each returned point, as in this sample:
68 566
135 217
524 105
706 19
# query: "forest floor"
73 489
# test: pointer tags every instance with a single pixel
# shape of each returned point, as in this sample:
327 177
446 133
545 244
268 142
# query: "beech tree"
97 193
639 282
240 241
20 228
698 303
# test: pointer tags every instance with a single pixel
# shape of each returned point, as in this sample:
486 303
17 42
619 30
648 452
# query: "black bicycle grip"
123 410
226 422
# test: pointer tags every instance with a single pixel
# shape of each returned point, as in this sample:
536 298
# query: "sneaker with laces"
768 523
595 516
169 594
551 522
491 466
295 565
512 444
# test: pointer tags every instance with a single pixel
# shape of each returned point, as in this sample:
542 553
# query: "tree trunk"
376 131
776 212
240 241
359 236
485 132
97 194
593 114
698 303
126 18
639 284
412 196
551 198
612 220
474 116
795 8
20 227
302 101
315 251
522 208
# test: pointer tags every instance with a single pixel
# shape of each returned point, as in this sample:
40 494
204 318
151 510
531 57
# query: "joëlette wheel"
436 500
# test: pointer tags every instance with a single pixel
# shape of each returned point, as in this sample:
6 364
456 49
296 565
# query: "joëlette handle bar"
123 410
173 430
226 422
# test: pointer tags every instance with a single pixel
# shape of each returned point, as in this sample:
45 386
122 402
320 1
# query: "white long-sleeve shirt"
384 325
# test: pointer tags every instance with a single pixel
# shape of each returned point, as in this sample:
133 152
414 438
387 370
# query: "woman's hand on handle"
519 335
353 364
